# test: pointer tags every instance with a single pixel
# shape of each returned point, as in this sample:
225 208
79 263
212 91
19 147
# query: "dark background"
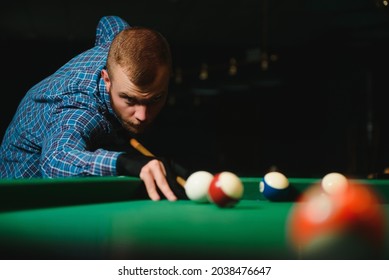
318 106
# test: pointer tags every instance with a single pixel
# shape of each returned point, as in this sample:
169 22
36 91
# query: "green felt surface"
101 218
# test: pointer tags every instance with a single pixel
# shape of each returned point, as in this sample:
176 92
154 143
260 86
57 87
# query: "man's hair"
140 51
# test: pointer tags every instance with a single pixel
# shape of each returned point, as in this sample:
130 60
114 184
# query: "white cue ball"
196 186
334 183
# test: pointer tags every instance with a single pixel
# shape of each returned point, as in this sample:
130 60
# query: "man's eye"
130 101
156 99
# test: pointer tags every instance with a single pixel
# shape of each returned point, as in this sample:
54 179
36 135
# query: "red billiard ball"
226 189
344 225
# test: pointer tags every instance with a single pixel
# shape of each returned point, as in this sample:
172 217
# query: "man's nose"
141 112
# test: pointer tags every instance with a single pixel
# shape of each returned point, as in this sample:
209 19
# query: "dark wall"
318 109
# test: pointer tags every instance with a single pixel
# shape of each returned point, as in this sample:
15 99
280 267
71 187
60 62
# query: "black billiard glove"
173 170
131 165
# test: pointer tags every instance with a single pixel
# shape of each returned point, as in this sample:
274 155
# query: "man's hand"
153 174
158 174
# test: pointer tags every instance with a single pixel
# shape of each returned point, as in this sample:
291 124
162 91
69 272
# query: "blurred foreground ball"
345 225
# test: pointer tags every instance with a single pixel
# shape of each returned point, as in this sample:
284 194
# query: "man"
70 123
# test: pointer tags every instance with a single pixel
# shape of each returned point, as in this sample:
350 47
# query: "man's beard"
133 128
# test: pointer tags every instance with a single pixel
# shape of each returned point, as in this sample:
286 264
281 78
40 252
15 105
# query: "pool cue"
138 146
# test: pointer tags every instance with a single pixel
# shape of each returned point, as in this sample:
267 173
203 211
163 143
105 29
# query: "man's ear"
107 80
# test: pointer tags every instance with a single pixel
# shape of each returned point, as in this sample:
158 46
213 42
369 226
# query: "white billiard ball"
334 183
197 185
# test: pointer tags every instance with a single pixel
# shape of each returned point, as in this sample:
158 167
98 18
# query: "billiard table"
111 218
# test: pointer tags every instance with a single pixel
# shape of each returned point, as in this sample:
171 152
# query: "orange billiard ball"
342 225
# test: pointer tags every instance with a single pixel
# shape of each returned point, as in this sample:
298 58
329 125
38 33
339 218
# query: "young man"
67 124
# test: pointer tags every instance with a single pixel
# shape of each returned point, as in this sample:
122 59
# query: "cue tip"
181 181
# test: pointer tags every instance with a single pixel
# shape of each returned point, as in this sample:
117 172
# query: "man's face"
136 107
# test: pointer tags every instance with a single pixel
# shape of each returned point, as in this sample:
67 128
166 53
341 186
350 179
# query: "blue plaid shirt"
57 120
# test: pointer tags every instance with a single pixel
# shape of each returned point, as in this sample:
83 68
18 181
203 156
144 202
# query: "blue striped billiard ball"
274 186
